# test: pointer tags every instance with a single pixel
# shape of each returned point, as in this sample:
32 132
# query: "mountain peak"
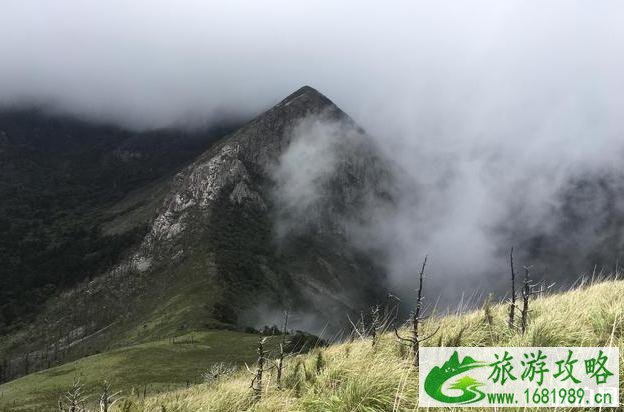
305 90
307 95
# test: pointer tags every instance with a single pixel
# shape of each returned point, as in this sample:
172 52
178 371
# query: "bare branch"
355 328
396 332
430 335
415 319
249 370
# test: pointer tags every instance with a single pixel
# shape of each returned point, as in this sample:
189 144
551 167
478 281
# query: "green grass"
359 377
156 366
352 376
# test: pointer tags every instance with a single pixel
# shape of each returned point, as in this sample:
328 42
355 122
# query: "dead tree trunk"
512 307
104 397
415 340
528 290
526 294
416 316
280 361
256 382
107 397
260 370
489 318
362 324
375 324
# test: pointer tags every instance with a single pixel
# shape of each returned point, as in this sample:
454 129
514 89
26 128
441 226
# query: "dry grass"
359 377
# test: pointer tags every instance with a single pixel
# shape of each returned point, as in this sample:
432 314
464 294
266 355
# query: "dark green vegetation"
241 238
252 268
61 181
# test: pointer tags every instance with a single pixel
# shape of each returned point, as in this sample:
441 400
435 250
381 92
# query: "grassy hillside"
150 367
357 377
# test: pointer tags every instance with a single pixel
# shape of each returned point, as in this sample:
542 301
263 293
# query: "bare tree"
488 316
217 371
359 328
529 289
256 382
280 360
73 400
415 340
375 326
356 330
512 306
108 398
380 320
362 324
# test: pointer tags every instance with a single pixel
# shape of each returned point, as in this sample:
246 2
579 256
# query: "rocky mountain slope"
61 181
220 253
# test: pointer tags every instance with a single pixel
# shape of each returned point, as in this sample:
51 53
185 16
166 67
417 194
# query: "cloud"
151 63
491 109
304 170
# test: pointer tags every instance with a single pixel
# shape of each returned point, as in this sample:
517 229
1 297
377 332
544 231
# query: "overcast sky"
154 62
477 100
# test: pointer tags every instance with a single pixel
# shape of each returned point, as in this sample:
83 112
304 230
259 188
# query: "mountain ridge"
210 260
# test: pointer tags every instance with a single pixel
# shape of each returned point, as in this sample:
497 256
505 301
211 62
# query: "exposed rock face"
240 169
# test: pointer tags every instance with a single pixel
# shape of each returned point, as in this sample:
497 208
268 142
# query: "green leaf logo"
438 376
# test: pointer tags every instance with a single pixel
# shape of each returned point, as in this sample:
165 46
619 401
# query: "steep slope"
213 257
61 179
